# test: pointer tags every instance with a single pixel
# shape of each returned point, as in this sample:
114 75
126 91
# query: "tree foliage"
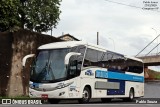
9 14
37 15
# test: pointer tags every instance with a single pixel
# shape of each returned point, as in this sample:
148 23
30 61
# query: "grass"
158 77
20 97
153 74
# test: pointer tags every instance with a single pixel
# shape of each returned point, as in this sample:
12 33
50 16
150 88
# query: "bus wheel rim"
131 95
85 94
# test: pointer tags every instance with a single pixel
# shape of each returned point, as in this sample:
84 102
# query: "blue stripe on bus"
120 76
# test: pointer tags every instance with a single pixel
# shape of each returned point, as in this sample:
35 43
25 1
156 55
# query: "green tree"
9 14
37 15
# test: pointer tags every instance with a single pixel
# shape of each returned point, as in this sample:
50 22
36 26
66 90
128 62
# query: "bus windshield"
49 66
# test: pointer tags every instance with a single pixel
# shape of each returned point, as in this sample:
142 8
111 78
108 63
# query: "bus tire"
106 100
53 101
86 96
131 95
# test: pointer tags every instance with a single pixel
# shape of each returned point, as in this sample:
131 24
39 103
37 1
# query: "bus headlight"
62 85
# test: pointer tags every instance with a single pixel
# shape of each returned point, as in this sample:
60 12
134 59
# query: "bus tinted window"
114 61
93 58
134 66
118 63
80 49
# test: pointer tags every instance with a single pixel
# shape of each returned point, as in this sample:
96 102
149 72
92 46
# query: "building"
68 37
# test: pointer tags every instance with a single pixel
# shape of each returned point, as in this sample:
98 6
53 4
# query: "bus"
80 70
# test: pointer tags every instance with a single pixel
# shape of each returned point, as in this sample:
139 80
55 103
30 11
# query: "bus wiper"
43 72
51 71
46 71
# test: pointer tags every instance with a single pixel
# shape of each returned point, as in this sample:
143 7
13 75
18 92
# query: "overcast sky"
126 28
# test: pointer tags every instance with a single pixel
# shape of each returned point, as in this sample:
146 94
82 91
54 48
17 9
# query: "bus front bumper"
58 94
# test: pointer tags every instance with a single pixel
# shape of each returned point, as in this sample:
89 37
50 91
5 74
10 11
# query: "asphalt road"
152 90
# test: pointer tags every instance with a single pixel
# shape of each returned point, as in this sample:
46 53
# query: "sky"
124 29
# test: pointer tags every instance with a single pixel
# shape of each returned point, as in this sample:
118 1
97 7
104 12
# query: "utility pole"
97 38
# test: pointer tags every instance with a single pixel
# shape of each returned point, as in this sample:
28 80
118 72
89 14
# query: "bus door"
74 69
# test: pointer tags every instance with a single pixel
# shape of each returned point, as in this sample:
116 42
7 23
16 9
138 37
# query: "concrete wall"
13 47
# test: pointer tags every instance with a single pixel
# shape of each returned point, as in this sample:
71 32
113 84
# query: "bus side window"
134 66
86 63
114 62
79 64
75 66
90 58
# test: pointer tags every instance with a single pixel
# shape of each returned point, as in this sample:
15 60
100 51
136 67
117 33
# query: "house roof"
68 35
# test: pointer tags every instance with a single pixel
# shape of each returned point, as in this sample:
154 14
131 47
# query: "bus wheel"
106 100
53 101
86 96
131 95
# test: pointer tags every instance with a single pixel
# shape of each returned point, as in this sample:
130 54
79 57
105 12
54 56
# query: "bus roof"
134 58
67 44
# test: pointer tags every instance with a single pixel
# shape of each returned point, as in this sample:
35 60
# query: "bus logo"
89 73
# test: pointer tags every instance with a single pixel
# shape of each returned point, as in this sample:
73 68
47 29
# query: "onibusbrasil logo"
21 101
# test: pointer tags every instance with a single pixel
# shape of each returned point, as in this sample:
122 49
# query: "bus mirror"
25 58
66 60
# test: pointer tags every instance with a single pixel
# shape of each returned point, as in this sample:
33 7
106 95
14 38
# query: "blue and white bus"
79 70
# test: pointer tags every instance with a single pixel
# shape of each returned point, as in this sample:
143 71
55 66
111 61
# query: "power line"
123 4
129 5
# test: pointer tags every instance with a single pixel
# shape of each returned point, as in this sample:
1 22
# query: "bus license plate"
44 96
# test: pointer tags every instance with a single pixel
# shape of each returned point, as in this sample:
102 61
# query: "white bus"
79 70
